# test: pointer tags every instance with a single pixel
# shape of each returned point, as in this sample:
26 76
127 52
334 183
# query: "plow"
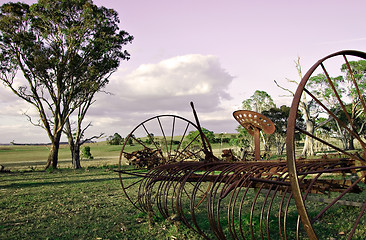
173 173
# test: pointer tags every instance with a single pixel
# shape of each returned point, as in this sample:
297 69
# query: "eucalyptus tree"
66 51
306 108
259 102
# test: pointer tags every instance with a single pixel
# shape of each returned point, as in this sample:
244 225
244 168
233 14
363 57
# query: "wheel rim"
158 140
342 118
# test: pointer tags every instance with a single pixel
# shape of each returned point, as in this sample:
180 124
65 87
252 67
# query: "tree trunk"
53 154
350 144
74 148
308 146
76 156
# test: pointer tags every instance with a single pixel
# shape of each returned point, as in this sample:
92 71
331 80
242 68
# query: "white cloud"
166 87
179 76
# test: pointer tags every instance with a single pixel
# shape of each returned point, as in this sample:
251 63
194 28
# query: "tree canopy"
258 102
66 51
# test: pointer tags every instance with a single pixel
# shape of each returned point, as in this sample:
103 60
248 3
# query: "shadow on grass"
38 184
67 182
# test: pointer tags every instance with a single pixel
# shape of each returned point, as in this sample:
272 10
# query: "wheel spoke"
336 118
336 199
341 110
338 98
181 141
353 156
356 85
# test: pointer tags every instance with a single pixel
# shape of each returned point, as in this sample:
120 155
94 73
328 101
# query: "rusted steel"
254 122
303 91
219 192
249 199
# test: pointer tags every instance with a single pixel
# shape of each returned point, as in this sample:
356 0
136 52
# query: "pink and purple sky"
215 53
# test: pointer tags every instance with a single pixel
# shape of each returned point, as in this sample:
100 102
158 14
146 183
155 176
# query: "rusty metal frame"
220 190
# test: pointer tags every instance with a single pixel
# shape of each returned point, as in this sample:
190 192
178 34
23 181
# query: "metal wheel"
157 141
334 92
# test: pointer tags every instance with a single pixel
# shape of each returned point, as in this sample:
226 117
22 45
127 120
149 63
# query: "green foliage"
344 85
258 102
243 139
149 138
66 51
279 117
86 153
195 138
116 139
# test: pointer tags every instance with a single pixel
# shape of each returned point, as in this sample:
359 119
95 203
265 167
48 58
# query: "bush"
116 139
86 153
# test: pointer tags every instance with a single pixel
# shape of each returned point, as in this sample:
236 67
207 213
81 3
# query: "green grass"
75 204
89 203
16 157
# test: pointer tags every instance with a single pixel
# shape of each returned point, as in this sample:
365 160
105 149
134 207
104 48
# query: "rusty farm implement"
175 173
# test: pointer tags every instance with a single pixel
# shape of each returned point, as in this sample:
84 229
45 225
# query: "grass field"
19 157
75 204
89 203
72 204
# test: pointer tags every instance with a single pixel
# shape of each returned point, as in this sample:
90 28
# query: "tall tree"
305 107
258 102
66 51
279 117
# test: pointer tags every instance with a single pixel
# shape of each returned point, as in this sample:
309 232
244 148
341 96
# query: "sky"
214 53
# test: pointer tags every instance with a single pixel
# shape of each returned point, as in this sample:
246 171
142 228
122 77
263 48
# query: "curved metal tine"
171 187
335 117
191 169
338 98
247 184
210 168
152 140
252 209
215 196
227 177
146 190
262 213
155 187
245 171
163 192
271 201
262 186
179 175
283 172
354 156
284 235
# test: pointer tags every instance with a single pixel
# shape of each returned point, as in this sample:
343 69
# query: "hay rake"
177 175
